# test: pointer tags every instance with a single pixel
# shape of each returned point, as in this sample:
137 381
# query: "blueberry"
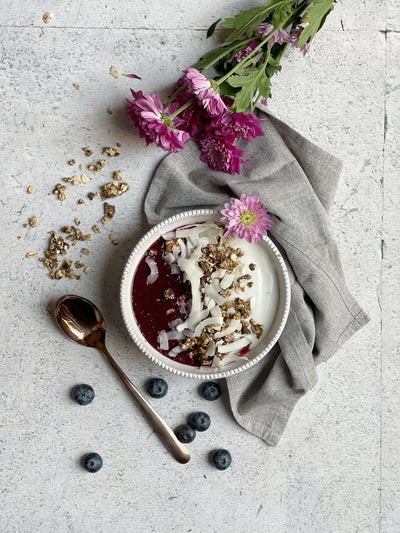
93 462
221 459
157 387
211 391
83 394
185 433
200 421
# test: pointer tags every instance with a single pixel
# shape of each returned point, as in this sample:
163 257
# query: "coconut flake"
213 293
175 335
226 281
233 346
169 235
175 351
169 258
220 273
175 269
227 360
151 278
216 311
162 339
174 323
211 349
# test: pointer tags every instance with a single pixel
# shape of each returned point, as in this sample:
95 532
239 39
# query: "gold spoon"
82 322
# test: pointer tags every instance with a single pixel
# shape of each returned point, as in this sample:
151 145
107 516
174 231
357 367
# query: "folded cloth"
297 181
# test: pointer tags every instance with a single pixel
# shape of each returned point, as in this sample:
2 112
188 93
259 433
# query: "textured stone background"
336 469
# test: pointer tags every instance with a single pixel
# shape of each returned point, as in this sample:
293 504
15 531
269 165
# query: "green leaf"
226 90
315 16
211 29
249 85
282 10
246 22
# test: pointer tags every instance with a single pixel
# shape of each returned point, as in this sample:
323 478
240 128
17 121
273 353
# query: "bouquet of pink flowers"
217 111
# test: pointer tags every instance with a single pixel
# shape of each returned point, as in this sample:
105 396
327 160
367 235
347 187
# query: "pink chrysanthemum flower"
193 117
295 35
220 153
239 56
247 218
244 125
280 36
205 91
148 115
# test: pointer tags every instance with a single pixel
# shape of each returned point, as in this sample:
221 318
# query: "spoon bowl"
82 322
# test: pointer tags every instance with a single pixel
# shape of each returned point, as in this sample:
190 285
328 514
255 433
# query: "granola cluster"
216 257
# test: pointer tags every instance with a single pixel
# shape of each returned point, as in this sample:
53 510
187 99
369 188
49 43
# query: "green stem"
182 108
171 98
283 24
226 51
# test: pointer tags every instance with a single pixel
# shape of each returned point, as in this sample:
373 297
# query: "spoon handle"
165 433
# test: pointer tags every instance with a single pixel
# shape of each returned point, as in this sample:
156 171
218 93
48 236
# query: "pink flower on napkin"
244 125
247 218
220 153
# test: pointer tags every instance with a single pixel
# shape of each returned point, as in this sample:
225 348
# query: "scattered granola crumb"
115 71
114 238
110 151
60 191
87 151
96 229
26 225
109 111
84 178
117 175
48 17
81 167
91 195
109 212
75 234
57 247
88 269
29 190
77 86
81 201
113 189
118 144
97 166
34 222
77 221
71 162
19 237
79 264
85 251
74 180
252 266
31 254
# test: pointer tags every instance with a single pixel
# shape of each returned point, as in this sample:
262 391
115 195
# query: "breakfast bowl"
200 305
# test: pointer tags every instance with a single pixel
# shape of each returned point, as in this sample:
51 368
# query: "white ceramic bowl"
270 336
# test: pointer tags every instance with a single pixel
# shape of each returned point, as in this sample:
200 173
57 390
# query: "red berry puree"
153 310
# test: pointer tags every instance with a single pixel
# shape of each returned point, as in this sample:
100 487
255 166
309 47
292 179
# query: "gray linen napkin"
297 181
